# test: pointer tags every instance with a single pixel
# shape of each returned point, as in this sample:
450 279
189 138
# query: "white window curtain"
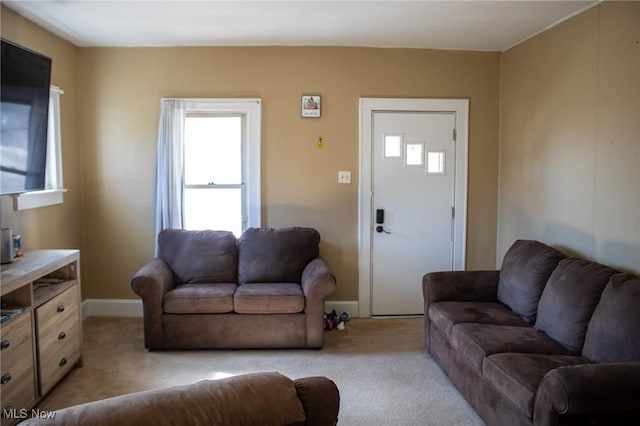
169 166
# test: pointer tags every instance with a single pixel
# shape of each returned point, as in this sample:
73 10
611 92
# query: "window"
54 186
213 173
53 178
221 180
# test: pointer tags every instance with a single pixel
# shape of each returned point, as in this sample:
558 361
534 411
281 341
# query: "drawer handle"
63 362
60 308
62 335
6 377
4 344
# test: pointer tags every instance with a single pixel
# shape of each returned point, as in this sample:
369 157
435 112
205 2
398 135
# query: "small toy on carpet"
334 322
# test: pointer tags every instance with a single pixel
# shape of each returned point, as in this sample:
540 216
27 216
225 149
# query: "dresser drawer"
58 332
57 356
15 339
58 309
17 373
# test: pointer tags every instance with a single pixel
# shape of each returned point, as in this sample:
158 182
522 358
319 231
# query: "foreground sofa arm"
589 393
255 399
320 400
463 286
151 283
317 283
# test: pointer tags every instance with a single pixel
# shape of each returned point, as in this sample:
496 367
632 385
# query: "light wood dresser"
41 340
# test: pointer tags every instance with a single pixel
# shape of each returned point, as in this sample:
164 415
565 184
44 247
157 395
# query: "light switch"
344 176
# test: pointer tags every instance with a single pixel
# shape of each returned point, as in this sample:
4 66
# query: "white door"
413 186
390 270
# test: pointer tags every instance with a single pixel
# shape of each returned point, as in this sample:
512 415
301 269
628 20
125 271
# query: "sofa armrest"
317 283
317 279
320 400
463 286
151 283
603 393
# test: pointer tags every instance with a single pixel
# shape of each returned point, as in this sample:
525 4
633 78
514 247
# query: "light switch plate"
344 176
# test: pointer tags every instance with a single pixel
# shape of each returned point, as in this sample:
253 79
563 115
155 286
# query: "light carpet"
380 366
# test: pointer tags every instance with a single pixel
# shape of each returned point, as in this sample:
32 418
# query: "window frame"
54 183
250 111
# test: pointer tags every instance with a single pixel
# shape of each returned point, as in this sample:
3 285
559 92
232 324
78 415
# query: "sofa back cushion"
199 256
613 334
569 299
526 267
270 255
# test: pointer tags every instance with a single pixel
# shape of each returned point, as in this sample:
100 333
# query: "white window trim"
251 108
53 193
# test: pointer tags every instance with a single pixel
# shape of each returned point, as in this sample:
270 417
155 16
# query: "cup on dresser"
6 246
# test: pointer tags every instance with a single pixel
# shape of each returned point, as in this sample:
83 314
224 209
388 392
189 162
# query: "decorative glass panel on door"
414 154
435 162
392 145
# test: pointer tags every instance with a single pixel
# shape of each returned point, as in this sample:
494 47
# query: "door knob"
380 229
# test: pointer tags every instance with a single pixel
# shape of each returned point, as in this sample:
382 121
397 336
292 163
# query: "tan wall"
110 115
120 91
570 137
56 226
569 149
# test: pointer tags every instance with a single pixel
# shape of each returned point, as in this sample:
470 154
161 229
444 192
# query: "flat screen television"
24 112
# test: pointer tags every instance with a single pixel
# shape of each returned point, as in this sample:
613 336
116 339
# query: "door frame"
369 106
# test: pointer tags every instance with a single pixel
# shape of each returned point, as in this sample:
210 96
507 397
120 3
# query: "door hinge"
453 212
455 135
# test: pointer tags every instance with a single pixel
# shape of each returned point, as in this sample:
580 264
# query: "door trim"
365 191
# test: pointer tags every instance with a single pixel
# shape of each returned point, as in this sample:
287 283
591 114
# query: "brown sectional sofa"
547 340
258 399
207 289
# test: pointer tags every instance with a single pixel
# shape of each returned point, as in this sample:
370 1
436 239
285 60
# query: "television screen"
24 112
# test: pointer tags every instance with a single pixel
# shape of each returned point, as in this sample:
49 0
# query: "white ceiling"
452 24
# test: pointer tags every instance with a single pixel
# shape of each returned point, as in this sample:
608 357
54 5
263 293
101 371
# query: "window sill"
34 199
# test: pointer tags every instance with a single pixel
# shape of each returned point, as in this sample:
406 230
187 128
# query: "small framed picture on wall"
311 106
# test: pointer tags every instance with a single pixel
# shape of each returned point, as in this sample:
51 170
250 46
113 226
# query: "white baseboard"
111 308
133 307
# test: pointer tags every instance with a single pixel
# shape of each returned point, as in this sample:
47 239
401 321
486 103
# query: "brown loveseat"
259 399
547 340
208 290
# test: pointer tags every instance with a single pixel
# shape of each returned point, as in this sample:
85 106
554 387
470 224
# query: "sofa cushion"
445 315
199 256
269 298
613 334
276 255
525 269
476 341
569 299
516 375
200 299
